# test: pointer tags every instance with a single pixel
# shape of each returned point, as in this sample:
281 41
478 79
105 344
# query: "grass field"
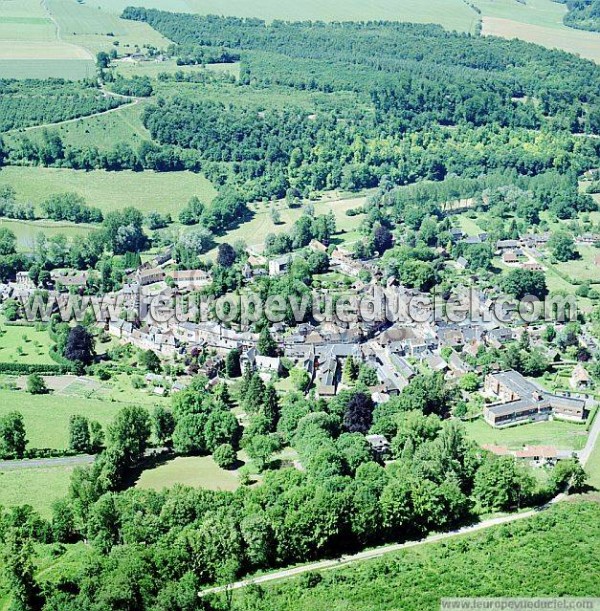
195 471
37 486
562 435
152 69
27 231
165 192
24 345
47 416
584 268
538 21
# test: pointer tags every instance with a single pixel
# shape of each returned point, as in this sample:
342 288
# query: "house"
436 363
457 365
328 378
462 263
69 279
509 257
456 234
580 378
150 276
532 266
502 245
521 401
191 277
279 265
496 338
317 246
538 455
379 444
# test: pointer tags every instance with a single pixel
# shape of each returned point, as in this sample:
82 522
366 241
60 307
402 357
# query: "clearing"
197 471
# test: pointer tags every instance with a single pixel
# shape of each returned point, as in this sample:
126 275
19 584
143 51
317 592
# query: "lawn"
194 471
584 268
35 486
538 21
165 192
562 435
24 345
47 416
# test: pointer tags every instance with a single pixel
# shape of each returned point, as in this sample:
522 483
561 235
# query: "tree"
129 433
13 438
562 246
382 239
102 60
80 345
350 371
163 424
501 483
359 413
150 361
469 382
260 449
523 282
8 241
96 437
226 255
254 395
19 569
79 434
232 364
225 456
270 407
300 378
188 436
36 384
266 344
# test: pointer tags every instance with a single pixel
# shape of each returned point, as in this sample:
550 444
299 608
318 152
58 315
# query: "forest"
394 110
583 14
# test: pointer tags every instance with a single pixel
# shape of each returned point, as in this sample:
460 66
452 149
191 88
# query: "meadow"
539 555
561 435
164 192
47 416
39 487
26 232
24 345
152 69
196 471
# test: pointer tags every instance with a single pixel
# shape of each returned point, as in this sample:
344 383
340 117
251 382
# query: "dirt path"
53 19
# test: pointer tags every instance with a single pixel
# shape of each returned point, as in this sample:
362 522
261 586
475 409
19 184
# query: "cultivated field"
194 471
31 45
165 192
562 435
538 21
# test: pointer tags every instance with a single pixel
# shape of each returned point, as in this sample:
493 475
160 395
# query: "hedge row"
25 368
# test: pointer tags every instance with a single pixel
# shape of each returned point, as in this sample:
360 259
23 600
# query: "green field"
562 435
584 268
27 231
24 345
538 21
36 486
47 416
194 471
152 69
165 192
539 556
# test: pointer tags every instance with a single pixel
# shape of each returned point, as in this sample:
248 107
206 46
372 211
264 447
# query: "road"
34 463
591 442
368 554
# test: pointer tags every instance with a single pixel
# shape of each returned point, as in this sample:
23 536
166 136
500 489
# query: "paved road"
33 463
591 442
368 554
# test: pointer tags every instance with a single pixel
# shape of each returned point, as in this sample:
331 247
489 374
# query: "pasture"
47 416
39 487
537 21
25 345
584 268
152 69
561 435
26 232
196 471
146 191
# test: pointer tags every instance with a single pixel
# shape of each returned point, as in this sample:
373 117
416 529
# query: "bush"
225 456
36 384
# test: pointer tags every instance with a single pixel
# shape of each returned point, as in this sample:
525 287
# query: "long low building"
521 401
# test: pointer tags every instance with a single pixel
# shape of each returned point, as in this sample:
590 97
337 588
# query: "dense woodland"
396 111
582 14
